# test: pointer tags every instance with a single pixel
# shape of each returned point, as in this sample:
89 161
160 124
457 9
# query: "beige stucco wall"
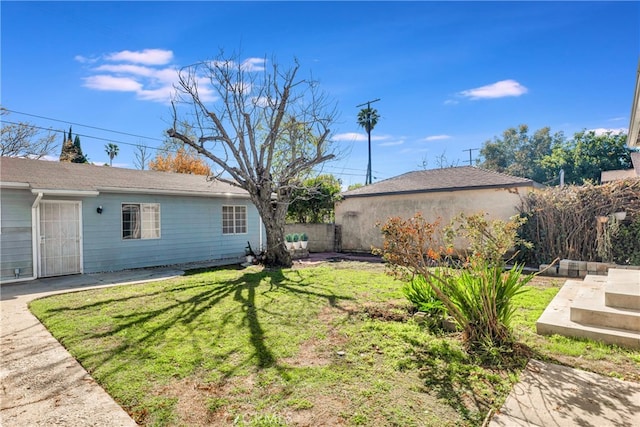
358 215
321 236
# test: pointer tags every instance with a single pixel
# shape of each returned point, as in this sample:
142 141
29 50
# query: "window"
234 219
140 221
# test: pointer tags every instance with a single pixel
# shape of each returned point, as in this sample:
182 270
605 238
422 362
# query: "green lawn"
329 345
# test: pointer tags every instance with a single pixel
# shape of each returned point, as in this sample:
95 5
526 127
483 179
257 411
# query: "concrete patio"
602 308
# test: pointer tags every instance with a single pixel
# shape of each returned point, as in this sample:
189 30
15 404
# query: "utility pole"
368 180
471 158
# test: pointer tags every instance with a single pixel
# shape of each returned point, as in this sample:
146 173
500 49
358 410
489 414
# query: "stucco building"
66 218
437 193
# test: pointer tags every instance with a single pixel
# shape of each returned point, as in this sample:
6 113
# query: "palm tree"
112 150
368 119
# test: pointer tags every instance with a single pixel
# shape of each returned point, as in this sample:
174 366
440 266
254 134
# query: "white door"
60 238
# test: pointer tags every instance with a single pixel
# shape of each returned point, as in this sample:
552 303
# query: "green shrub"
304 237
483 294
419 292
479 295
626 245
296 237
289 238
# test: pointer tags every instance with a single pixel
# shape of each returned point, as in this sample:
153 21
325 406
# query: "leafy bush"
483 294
478 296
626 244
421 295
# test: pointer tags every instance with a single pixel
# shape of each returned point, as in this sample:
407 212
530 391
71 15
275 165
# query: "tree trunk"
273 218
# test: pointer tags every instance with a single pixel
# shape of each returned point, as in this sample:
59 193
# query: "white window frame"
150 226
238 223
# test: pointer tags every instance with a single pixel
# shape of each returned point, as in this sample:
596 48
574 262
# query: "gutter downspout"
35 266
260 228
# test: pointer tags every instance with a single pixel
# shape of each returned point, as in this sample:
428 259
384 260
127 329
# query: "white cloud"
253 64
111 83
148 73
436 138
146 56
350 136
84 60
162 94
390 143
604 131
139 70
358 137
499 89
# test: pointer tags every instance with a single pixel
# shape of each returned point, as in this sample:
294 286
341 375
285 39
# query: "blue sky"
450 75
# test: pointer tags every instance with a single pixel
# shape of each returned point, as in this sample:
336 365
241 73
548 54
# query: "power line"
337 170
80 124
90 136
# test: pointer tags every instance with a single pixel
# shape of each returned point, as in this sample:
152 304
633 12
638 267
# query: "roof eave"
122 190
71 193
634 124
441 190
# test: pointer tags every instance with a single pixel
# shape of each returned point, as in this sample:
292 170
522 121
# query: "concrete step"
623 289
588 308
556 319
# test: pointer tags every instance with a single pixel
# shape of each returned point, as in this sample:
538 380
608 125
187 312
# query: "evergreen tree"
71 150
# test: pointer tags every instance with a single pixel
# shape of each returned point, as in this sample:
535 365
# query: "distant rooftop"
446 179
64 176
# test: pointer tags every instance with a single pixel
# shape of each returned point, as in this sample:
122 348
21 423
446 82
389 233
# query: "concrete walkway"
43 385
550 395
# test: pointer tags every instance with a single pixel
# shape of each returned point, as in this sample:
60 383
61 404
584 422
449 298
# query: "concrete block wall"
321 236
571 268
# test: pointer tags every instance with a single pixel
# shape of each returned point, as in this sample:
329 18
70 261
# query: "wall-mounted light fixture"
99 210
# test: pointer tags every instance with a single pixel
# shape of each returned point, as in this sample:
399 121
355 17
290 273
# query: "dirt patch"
324 413
316 352
392 311
191 396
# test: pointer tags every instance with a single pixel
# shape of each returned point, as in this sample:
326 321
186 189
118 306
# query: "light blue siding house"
65 218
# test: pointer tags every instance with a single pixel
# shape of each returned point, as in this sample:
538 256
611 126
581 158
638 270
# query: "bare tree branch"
21 139
265 129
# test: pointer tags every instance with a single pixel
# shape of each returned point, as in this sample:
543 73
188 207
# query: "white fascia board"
72 193
5 184
634 124
172 192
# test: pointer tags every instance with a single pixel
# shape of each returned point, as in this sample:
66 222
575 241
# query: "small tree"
71 150
112 151
141 157
266 131
181 161
479 295
314 201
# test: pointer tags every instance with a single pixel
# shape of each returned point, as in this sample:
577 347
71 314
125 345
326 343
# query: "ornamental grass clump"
478 294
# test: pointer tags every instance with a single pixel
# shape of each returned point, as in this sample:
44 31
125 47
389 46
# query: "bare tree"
25 140
441 162
266 131
141 156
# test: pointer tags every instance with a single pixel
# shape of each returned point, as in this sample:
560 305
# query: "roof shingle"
46 175
446 179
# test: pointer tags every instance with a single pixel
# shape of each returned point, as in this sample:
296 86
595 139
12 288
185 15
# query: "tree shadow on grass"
461 380
184 304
